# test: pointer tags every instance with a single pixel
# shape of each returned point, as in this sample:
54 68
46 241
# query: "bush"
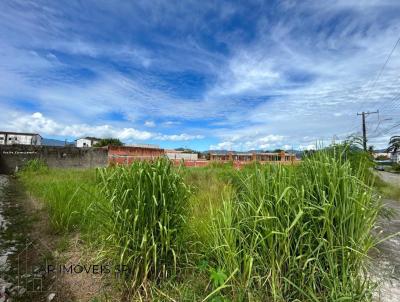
109 141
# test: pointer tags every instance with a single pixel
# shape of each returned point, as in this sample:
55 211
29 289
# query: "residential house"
19 138
87 142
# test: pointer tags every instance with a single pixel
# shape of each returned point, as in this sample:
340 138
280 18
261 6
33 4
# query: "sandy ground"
64 287
386 263
22 277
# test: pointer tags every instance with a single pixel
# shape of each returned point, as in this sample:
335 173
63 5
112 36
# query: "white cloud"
150 124
247 72
178 137
171 123
303 78
313 81
38 123
222 146
250 142
307 147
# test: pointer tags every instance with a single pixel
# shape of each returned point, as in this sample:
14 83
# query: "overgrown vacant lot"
265 233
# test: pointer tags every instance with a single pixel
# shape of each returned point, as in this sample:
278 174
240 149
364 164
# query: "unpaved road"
393 179
386 263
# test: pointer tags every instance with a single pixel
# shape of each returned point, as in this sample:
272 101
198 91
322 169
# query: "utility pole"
364 128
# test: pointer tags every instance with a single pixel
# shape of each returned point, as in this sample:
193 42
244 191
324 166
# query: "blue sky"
200 74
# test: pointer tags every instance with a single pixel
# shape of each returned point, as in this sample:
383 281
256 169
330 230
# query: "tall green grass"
266 233
142 220
67 194
210 185
35 165
298 233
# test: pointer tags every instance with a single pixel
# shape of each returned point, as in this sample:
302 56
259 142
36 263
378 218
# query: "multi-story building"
19 138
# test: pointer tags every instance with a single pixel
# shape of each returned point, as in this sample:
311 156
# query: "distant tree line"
108 142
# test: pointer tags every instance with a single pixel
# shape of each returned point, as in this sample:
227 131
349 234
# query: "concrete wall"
58 157
181 155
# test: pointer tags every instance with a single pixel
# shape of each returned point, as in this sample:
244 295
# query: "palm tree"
394 144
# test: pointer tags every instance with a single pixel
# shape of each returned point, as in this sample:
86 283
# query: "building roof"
19 133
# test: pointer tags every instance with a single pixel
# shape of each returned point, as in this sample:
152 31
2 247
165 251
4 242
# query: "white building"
381 154
87 142
396 157
19 138
179 155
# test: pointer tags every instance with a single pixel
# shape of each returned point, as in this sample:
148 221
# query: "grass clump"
143 218
298 233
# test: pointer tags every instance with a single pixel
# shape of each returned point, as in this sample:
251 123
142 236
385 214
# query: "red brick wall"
127 155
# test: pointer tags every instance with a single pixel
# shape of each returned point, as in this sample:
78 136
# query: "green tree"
109 142
354 142
394 144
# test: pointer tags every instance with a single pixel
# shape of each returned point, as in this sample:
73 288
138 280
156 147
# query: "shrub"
108 142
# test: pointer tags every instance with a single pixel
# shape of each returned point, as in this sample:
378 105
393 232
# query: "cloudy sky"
201 74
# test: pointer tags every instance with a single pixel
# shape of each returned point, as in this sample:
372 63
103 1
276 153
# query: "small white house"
19 138
87 142
381 154
396 157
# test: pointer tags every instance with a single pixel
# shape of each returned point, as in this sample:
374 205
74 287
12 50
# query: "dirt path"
391 178
386 264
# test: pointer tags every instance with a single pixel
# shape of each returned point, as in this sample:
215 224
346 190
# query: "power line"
364 128
383 67
380 72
